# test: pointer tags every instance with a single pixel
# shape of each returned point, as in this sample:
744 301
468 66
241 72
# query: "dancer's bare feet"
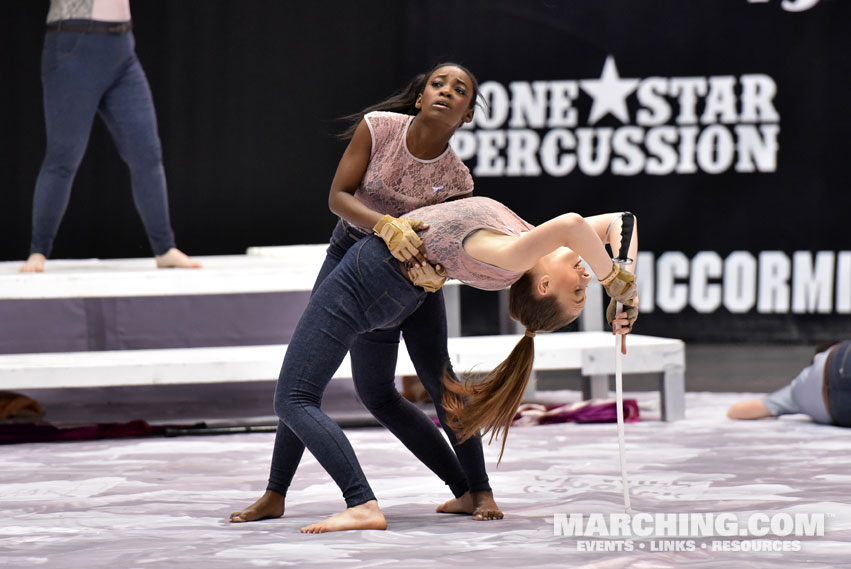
364 516
35 264
480 505
270 505
176 259
753 409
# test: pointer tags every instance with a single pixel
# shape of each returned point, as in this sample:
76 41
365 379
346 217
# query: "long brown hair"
404 101
491 402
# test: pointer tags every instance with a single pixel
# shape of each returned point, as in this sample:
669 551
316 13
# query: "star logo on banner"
609 93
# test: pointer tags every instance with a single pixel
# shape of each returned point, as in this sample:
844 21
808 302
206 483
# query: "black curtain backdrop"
247 94
798 206
808 54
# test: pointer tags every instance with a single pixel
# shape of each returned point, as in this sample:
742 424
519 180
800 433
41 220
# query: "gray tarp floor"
163 502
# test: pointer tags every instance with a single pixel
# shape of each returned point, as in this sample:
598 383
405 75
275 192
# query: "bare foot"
270 505
480 505
460 505
35 264
485 506
753 409
364 516
176 259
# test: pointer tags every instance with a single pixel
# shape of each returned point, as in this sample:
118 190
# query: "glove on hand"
631 313
429 278
619 284
399 235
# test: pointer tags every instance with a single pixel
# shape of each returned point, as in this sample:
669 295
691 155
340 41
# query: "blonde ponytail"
490 404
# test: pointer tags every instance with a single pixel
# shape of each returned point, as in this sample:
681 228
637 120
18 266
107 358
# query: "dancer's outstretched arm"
520 254
610 223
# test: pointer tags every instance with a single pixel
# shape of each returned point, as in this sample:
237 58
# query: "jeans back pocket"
384 312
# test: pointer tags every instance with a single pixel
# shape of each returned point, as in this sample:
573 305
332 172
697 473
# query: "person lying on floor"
821 390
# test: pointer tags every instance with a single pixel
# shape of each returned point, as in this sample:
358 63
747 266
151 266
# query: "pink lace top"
451 222
395 181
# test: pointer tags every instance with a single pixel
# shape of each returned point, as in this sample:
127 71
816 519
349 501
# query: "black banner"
722 124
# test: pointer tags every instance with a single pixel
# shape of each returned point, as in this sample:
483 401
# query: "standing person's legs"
288 447
73 80
426 339
366 291
374 368
127 108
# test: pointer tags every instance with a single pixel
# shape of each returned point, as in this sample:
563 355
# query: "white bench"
590 352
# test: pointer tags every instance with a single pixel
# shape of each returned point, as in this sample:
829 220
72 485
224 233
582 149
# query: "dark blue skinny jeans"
88 73
838 377
374 352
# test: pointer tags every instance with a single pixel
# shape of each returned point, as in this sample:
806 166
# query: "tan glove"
631 313
399 235
619 285
429 278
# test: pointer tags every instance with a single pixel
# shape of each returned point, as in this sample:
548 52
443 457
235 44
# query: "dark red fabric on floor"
42 432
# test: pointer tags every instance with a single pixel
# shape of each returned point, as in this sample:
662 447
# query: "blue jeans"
374 369
374 363
366 291
88 73
838 371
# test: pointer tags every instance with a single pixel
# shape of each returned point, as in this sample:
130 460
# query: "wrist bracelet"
611 276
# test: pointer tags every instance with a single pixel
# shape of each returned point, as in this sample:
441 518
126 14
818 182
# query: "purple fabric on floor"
595 411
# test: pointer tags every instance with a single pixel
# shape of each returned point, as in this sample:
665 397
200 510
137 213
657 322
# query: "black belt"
93 27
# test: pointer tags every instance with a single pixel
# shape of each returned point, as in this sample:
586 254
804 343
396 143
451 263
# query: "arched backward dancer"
480 242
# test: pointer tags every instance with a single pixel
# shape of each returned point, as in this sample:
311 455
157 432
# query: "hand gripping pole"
627 225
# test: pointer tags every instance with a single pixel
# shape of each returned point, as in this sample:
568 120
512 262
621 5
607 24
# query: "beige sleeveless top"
451 222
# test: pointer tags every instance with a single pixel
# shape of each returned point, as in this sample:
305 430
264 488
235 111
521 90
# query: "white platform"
280 269
590 352
263 269
97 278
